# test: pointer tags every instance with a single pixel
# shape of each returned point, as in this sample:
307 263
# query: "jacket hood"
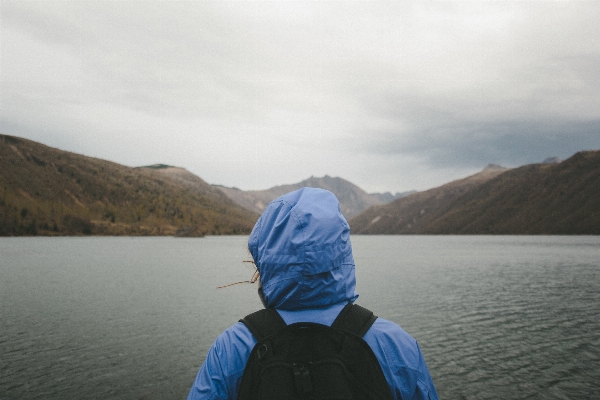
301 247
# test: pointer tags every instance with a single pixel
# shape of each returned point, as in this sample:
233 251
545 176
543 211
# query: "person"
301 248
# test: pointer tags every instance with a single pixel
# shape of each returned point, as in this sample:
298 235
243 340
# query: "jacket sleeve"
220 374
211 382
425 388
401 360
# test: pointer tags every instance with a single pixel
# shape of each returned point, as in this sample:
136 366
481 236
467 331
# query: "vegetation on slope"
45 191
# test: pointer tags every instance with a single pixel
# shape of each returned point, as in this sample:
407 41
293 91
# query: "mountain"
552 160
47 191
352 199
387 197
555 198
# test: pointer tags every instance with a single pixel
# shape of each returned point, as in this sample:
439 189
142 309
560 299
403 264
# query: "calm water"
132 318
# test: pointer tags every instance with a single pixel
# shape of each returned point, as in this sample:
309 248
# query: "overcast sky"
390 95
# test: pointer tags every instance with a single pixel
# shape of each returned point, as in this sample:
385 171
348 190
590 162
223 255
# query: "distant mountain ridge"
547 198
353 199
46 191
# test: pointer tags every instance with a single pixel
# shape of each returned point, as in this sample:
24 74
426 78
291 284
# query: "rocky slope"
555 198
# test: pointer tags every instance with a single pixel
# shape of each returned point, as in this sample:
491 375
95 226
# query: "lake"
496 317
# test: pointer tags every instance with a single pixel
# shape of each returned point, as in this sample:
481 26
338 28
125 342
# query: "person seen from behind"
302 251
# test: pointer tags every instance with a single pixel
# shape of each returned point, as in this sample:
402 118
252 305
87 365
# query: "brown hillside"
535 199
413 213
47 191
559 198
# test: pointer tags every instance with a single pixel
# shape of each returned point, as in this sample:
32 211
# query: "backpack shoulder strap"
354 318
263 323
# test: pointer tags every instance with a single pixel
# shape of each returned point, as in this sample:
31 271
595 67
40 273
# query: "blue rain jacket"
301 247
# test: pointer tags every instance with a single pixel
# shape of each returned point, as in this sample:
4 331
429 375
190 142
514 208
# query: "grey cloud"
180 61
548 106
509 143
472 132
440 87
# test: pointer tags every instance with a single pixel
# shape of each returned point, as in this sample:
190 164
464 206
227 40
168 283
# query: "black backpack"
312 361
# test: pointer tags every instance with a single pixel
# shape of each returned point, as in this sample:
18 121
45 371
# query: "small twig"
254 278
231 284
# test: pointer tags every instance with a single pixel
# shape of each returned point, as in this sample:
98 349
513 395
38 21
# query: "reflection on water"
122 318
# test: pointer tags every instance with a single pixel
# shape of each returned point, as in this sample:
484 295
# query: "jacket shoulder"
220 374
401 349
232 349
401 360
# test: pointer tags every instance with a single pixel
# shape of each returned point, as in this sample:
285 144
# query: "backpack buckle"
302 378
261 352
